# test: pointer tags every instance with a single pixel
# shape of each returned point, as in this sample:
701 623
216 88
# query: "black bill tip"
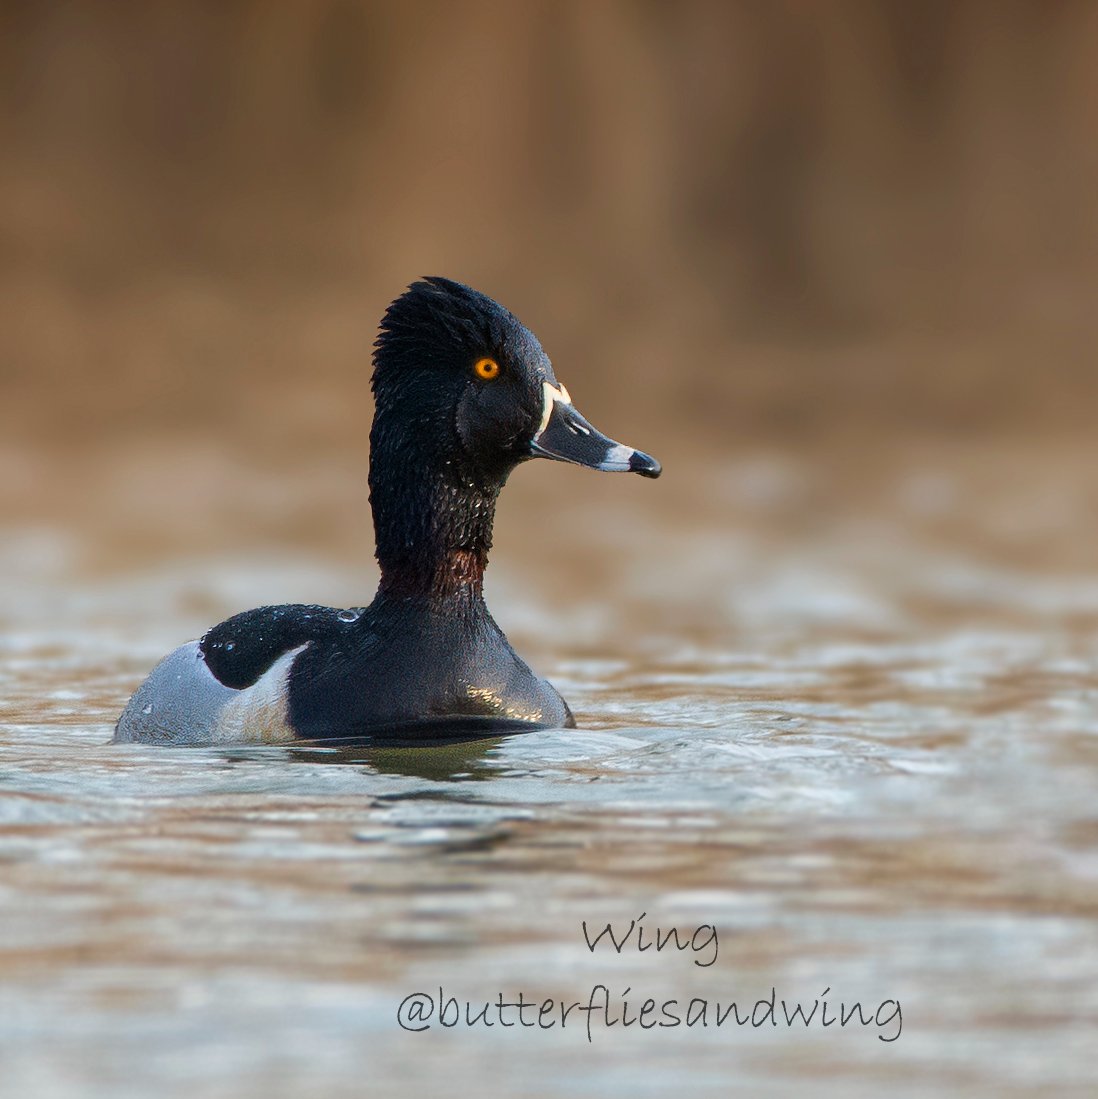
644 464
565 436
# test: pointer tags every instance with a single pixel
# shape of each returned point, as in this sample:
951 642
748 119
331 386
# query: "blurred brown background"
731 224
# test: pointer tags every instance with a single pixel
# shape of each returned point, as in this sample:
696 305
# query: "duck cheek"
483 432
469 421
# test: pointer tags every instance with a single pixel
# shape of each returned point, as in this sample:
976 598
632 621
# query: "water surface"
858 734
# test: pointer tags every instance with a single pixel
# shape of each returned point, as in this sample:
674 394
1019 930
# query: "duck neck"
433 523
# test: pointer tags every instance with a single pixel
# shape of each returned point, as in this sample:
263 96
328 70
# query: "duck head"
463 394
451 361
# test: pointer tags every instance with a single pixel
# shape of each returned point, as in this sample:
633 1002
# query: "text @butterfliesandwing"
602 1007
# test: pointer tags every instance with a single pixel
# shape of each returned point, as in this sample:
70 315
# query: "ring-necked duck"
463 394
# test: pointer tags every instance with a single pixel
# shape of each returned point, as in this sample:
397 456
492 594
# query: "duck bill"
566 436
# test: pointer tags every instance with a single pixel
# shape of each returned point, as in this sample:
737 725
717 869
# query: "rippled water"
858 737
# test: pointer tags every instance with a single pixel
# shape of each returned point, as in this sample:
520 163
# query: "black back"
240 649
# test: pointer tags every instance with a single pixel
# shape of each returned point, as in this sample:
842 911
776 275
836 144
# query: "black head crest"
436 320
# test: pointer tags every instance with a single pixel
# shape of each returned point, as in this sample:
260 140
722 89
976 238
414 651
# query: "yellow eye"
486 369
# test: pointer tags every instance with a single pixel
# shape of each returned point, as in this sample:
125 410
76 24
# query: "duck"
463 394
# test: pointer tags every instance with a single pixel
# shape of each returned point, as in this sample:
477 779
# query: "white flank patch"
260 713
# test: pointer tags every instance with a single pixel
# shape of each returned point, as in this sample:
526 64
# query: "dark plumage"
463 393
